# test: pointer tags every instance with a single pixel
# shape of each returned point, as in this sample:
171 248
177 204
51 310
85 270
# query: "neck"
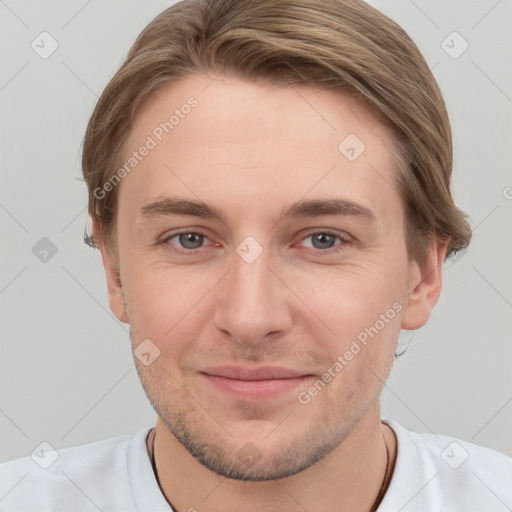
350 478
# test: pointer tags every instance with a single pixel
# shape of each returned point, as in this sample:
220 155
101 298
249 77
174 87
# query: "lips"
262 373
261 383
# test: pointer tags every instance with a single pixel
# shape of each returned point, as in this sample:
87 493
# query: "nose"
252 304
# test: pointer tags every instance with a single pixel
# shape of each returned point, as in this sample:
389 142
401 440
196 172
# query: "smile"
253 384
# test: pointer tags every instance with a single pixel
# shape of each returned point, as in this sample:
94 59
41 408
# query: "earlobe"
114 285
425 286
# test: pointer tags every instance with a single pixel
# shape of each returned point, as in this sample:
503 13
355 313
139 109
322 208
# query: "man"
269 185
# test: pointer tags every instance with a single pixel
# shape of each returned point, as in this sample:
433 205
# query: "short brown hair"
345 45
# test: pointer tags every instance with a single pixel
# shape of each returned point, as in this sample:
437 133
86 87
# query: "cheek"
166 305
349 300
365 319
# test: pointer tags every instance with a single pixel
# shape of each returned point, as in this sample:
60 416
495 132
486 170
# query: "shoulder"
438 472
75 478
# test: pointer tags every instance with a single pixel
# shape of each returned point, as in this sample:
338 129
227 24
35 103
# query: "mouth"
262 383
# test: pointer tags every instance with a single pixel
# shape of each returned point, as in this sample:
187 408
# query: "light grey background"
67 375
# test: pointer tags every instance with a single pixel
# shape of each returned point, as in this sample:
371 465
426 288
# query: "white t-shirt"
433 473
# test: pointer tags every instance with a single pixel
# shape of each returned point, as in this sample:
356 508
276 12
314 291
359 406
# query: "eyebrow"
169 206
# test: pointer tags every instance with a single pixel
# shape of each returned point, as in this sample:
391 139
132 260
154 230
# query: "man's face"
251 310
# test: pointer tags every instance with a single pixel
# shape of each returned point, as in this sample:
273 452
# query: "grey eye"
191 240
323 240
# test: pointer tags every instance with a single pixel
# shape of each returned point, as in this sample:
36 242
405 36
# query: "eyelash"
333 250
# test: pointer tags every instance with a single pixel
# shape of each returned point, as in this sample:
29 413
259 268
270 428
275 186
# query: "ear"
114 285
424 286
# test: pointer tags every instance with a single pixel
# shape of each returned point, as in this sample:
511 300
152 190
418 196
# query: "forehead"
234 141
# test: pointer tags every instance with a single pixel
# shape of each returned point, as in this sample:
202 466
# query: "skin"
251 150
